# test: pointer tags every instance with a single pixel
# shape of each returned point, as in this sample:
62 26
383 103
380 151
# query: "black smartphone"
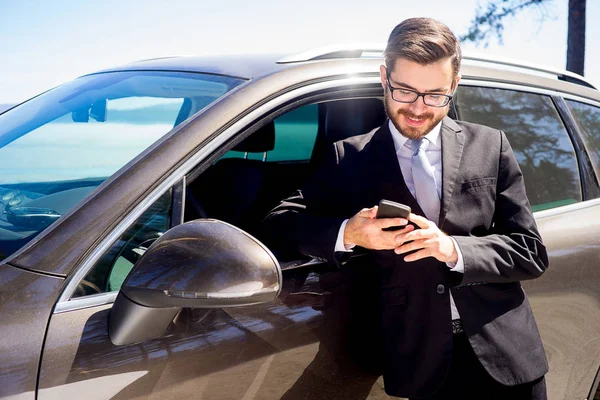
391 209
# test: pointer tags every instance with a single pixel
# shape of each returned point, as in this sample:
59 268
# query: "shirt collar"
400 140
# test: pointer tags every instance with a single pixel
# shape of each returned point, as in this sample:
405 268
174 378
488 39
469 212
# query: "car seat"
230 189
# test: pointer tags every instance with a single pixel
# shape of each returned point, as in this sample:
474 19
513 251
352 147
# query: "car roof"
245 66
330 58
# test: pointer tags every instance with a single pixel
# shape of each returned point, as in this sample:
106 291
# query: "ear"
383 75
456 80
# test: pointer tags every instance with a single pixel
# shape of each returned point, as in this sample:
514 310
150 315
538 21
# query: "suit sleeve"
308 222
514 250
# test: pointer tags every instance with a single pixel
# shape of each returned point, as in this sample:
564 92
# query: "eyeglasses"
402 95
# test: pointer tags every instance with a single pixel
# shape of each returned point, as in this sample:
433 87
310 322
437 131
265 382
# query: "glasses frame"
418 94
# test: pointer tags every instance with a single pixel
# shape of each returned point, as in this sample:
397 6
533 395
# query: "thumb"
373 212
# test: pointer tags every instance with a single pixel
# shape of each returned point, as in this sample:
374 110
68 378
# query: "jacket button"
441 289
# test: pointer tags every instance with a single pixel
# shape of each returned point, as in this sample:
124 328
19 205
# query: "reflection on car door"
305 343
565 299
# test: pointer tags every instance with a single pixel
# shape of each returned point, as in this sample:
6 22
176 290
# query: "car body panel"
566 299
26 301
240 66
291 348
267 347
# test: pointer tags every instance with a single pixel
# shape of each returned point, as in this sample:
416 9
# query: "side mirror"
199 264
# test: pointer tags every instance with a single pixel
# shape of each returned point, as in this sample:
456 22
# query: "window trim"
510 86
177 203
589 179
275 106
566 208
80 303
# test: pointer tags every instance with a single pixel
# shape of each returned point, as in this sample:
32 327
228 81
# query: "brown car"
131 202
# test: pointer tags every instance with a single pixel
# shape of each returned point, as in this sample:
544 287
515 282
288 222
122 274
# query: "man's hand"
365 230
429 241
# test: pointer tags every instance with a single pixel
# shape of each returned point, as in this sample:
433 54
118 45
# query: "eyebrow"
404 85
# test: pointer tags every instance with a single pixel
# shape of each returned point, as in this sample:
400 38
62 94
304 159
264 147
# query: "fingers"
418 255
416 234
406 247
421 250
421 222
406 229
389 222
364 212
385 240
370 213
373 212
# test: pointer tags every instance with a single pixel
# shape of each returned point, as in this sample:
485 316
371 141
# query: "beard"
411 132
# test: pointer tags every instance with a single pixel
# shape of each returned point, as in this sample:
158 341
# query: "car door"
314 341
562 189
55 150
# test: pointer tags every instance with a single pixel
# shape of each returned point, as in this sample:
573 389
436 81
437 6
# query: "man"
456 323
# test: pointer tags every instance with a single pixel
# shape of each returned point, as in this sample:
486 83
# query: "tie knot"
419 144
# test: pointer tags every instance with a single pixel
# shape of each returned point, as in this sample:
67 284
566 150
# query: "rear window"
537 135
588 121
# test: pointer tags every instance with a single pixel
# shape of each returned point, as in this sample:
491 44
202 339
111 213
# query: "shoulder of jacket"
471 127
355 143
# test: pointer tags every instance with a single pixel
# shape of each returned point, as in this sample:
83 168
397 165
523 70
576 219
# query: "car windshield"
57 147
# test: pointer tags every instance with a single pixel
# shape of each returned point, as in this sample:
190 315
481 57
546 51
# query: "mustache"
415 116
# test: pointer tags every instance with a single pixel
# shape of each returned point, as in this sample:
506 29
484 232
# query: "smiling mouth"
415 121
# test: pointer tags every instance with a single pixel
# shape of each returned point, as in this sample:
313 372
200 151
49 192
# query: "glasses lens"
436 100
404 96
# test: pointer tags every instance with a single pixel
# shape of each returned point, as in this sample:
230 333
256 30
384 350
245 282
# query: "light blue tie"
424 180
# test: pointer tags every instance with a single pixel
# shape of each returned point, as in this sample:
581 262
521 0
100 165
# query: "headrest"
261 141
346 118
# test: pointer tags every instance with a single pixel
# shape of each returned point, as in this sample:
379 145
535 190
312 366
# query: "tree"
489 21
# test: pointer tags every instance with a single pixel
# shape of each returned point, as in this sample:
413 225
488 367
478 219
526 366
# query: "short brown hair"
424 41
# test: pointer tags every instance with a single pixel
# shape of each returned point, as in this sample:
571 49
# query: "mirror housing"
200 264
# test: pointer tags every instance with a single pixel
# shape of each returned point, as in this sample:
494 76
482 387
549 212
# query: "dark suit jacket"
483 206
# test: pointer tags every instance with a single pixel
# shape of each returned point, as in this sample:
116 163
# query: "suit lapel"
453 141
387 172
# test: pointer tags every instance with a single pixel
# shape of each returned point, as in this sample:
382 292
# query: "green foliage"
489 19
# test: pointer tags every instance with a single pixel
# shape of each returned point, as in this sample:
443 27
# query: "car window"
110 271
295 135
537 135
245 193
57 147
251 184
588 121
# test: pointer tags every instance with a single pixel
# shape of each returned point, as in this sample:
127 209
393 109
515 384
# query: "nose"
418 106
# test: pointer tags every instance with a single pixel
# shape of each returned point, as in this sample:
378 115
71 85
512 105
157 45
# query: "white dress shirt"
404 154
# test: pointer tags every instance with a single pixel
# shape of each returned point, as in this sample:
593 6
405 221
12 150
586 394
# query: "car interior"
246 181
243 190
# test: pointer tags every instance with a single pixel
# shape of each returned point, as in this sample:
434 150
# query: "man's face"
415 120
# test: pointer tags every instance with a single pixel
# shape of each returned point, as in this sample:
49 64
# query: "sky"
46 43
